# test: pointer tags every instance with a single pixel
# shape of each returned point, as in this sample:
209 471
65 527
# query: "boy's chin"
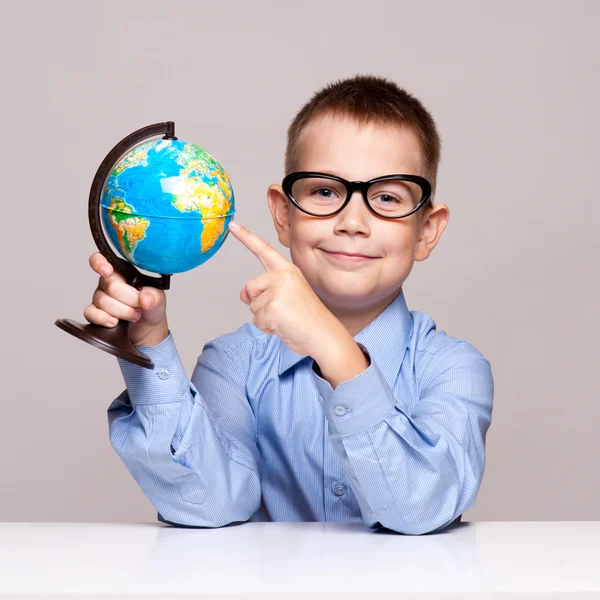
347 300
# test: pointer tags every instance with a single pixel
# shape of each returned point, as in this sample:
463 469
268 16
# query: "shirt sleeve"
190 445
413 471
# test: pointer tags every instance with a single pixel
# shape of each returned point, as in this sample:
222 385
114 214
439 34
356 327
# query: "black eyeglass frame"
352 186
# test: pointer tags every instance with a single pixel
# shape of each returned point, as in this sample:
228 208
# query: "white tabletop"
307 558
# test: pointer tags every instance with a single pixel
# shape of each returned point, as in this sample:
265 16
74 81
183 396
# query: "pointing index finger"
268 256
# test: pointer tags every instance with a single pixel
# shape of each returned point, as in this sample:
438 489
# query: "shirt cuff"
359 403
166 382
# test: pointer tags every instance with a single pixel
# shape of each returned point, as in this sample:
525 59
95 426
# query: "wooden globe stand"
115 340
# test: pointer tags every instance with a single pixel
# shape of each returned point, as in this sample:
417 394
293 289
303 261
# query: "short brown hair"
369 98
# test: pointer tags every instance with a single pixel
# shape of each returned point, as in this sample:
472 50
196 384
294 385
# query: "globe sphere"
166 206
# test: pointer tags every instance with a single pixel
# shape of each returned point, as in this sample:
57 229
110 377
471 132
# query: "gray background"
514 89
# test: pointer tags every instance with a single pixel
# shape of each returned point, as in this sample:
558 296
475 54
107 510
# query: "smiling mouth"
352 258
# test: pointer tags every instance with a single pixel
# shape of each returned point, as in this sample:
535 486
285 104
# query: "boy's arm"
413 471
197 466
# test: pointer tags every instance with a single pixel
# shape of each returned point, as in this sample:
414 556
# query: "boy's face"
356 152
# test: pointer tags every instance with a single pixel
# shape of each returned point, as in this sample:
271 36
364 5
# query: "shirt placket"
337 494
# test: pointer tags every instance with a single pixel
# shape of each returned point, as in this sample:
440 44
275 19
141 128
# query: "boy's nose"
354 218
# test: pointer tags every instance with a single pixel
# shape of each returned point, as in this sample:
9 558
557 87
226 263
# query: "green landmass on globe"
166 206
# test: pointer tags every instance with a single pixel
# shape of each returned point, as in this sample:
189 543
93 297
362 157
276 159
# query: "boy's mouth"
347 256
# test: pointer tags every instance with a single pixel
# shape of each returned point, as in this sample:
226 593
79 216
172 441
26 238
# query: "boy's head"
360 129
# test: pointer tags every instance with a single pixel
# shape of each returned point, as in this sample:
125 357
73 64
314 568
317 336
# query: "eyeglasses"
324 195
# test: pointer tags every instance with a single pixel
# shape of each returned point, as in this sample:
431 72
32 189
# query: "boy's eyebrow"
337 174
329 172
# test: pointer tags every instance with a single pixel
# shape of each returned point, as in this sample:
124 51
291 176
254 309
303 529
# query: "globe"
166 205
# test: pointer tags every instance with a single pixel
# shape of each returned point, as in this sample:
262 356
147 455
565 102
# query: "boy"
337 403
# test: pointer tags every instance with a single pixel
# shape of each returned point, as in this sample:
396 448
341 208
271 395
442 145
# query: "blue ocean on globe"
166 206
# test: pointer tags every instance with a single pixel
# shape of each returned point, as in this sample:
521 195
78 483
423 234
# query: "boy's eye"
387 199
325 193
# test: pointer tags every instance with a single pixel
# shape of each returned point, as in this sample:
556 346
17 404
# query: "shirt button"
340 410
339 489
164 374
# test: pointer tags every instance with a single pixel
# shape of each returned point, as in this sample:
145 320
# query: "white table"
498 559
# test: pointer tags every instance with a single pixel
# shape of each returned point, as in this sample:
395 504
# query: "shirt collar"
386 339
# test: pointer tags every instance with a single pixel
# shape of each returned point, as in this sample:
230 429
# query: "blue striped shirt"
257 434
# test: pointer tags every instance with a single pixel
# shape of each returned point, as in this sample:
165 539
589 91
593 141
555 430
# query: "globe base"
112 340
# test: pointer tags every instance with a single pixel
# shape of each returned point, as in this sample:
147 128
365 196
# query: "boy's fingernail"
234 225
136 315
113 321
106 271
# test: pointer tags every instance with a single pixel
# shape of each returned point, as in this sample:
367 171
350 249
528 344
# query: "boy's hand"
114 299
284 304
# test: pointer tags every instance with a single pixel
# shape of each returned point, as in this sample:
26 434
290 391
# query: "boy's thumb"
150 298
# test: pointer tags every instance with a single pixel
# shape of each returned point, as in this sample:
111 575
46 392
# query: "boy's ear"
279 206
430 230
